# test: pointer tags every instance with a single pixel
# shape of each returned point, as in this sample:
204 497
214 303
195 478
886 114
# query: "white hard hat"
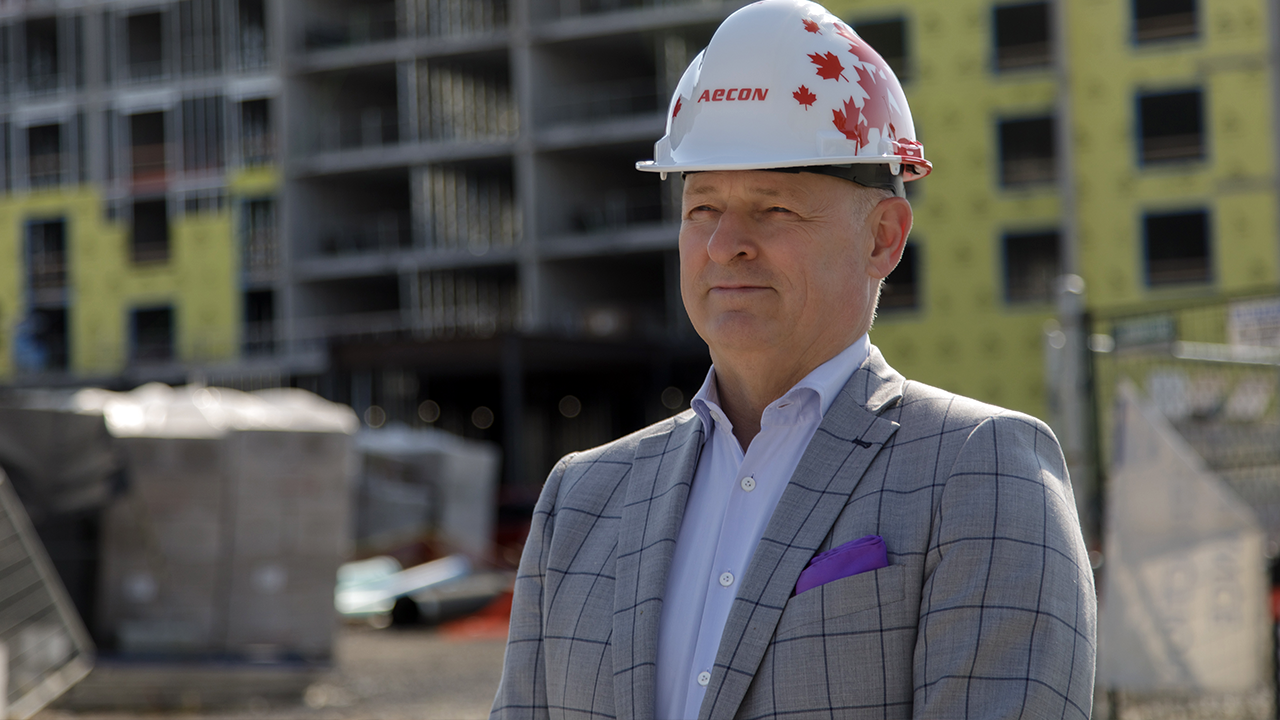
785 84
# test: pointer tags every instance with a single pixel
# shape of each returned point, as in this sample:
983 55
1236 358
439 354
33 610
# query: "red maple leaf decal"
676 111
843 31
848 124
811 26
804 97
876 110
829 67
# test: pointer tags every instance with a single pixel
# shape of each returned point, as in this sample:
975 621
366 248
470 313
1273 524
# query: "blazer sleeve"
522 693
1008 613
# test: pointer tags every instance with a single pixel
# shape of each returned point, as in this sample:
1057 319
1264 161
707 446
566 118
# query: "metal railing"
1165 27
369 233
45 169
587 101
1028 170
1028 55
148 162
618 209
258 338
442 18
364 25
1169 148
258 148
367 127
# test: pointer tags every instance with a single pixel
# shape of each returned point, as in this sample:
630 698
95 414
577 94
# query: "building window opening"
202 134
1030 266
150 242
1172 127
147 143
889 38
1022 36
259 322
44 155
901 289
42 55
146 47
253 34
1027 151
257 142
1177 248
41 342
46 258
1155 20
260 241
152 334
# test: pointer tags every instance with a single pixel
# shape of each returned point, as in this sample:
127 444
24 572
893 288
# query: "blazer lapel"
849 438
657 490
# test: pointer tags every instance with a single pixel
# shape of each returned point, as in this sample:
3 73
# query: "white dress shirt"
732 498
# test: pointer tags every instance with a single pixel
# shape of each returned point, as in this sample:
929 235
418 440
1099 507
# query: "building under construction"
426 209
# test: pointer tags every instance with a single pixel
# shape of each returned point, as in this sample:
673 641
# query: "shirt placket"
732 556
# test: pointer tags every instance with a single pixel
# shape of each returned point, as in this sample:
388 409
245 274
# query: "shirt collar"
826 380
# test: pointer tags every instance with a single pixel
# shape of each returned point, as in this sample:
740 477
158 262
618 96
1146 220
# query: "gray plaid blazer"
987 609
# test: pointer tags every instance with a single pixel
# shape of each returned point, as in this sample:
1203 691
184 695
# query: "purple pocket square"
857 556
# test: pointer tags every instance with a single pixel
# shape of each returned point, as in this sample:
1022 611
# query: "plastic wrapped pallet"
228 541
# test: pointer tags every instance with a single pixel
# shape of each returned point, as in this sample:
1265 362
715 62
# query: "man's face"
775 261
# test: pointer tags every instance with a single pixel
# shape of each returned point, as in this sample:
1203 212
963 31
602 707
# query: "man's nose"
734 238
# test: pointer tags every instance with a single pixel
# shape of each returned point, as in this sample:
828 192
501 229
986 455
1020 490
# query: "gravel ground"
412 674
419 674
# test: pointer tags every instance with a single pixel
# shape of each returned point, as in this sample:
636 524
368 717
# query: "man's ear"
890 224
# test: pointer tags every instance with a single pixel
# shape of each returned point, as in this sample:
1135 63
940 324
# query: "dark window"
44 155
147 144
889 38
152 331
42 55
259 322
46 259
260 241
1022 36
146 48
253 34
901 289
1172 127
41 342
1030 266
257 141
200 37
1177 248
1027 151
202 134
150 231
1155 20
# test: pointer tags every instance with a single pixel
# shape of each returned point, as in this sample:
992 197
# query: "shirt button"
704 678
748 484
726 579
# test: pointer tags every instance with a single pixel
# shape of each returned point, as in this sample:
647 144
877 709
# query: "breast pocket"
846 596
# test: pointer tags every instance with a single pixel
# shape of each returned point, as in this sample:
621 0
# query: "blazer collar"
657 490
849 438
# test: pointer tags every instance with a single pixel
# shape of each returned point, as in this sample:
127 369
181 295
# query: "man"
817 537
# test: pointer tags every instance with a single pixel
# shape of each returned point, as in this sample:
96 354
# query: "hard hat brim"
911 168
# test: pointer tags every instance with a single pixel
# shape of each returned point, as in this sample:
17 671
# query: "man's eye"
779 208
